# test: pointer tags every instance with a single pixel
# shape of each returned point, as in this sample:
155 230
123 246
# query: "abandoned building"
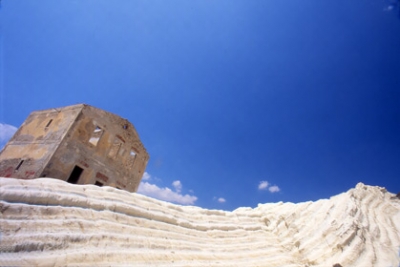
79 144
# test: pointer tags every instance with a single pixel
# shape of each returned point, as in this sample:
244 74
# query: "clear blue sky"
226 95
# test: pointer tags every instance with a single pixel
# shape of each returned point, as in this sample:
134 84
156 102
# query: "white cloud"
177 185
146 176
166 193
221 200
389 7
274 189
6 132
263 185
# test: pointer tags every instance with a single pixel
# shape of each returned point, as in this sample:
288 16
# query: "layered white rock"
47 222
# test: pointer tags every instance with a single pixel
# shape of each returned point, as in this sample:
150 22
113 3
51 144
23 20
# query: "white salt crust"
48 222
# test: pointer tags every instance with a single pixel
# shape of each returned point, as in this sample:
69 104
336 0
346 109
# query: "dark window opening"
48 124
96 135
98 183
125 126
75 175
19 165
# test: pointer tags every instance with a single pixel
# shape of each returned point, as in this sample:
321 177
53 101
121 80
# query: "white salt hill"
48 222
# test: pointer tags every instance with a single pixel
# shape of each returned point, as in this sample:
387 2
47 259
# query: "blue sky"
237 102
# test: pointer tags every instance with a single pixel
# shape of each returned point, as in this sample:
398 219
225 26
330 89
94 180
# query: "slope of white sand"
47 222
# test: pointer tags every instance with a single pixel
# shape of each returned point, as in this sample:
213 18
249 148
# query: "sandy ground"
47 222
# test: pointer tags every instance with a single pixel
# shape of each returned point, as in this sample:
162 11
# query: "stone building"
79 144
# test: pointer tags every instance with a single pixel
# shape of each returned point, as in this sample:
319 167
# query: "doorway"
75 174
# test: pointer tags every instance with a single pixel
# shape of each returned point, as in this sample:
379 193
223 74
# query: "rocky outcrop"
47 222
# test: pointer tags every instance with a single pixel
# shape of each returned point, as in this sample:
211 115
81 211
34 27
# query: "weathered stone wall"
33 145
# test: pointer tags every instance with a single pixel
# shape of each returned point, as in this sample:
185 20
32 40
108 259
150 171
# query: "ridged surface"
47 222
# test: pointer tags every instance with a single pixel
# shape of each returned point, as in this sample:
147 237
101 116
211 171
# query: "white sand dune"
47 222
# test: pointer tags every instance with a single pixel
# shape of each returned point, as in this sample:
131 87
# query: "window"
132 156
19 165
75 174
48 124
96 135
115 148
98 183
102 177
133 153
121 152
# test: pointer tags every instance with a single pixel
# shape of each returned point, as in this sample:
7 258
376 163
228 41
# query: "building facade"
79 144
